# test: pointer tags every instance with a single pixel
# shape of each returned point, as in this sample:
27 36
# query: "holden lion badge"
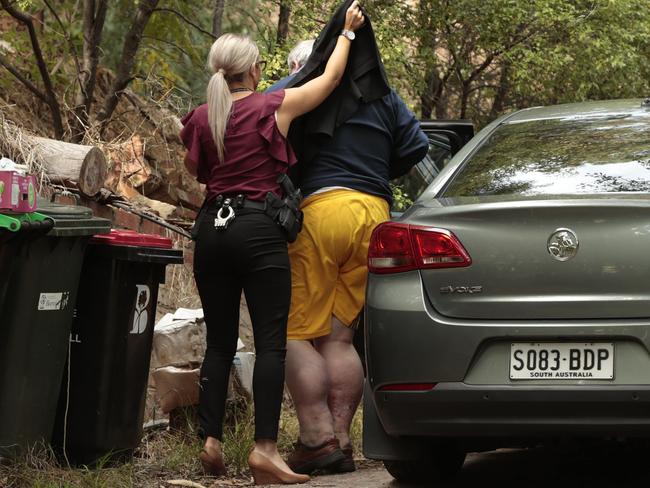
563 244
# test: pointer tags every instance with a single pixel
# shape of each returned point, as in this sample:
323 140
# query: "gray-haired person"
347 194
296 60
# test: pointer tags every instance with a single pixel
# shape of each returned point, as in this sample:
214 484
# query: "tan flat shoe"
212 465
267 473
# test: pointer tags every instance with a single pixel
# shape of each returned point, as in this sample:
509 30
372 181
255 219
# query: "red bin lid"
133 239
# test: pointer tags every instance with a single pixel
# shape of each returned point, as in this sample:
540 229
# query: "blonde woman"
236 145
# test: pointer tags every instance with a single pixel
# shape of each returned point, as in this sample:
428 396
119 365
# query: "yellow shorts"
329 260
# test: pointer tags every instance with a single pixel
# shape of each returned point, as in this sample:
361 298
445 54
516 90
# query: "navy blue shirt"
280 84
359 156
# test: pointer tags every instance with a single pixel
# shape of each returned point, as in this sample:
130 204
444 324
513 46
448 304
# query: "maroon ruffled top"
255 150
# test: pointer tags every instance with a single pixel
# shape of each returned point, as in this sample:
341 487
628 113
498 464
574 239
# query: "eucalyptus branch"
456 65
217 17
28 84
42 67
94 17
494 54
258 24
186 20
123 77
483 66
483 86
283 23
66 35
169 43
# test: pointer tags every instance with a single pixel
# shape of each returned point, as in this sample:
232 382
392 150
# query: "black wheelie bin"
102 402
40 271
16 228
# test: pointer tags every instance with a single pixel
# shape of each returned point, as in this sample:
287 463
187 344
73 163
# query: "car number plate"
561 361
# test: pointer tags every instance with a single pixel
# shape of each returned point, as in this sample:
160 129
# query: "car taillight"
390 249
396 247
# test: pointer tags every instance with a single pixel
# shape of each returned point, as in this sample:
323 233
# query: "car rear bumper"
456 409
408 341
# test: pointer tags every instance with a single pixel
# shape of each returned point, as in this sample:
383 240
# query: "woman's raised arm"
298 101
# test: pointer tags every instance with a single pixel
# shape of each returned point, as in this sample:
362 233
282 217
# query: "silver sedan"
511 303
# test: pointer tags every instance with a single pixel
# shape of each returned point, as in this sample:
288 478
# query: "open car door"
446 138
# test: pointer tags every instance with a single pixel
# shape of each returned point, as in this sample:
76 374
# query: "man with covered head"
347 194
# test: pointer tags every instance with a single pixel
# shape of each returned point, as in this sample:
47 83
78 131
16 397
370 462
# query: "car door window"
411 185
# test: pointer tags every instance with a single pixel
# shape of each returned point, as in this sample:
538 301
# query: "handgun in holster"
286 211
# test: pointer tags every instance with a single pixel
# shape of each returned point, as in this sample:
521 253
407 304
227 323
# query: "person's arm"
410 143
191 139
298 101
192 166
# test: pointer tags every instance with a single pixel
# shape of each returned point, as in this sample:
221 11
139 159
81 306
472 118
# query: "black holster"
286 211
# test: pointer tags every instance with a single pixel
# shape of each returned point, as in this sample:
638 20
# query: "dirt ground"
370 474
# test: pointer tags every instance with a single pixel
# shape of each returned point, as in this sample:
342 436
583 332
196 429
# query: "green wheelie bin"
39 271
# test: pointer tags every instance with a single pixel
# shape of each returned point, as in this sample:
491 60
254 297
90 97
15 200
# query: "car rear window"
596 154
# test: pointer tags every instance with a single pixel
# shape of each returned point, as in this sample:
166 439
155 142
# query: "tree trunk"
283 22
502 92
431 97
84 166
442 103
426 99
464 97
217 17
127 61
93 26
48 95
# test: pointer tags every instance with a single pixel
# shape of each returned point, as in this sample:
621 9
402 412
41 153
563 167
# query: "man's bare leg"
306 377
345 373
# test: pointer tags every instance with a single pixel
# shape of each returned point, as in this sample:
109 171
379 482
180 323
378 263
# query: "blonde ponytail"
231 56
219 109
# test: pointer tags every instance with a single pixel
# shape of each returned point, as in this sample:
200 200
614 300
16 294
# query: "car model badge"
461 290
563 244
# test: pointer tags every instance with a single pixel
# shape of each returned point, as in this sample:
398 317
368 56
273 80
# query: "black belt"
239 201
253 204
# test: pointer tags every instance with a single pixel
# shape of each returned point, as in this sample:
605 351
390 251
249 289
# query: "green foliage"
401 200
447 59
239 436
603 55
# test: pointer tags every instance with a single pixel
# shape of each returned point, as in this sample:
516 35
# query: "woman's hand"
298 101
354 17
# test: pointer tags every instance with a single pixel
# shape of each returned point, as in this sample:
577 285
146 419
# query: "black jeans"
250 255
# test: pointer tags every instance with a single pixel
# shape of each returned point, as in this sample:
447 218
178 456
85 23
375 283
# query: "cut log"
63 162
127 163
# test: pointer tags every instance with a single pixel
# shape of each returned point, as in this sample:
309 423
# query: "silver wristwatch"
349 34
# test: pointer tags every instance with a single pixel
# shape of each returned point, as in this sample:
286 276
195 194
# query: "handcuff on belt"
226 213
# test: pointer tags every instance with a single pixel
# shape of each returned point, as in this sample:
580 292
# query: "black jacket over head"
364 81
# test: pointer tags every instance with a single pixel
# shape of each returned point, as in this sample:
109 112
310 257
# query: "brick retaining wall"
123 219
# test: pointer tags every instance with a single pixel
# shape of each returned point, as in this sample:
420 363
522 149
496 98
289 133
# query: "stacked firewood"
146 169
